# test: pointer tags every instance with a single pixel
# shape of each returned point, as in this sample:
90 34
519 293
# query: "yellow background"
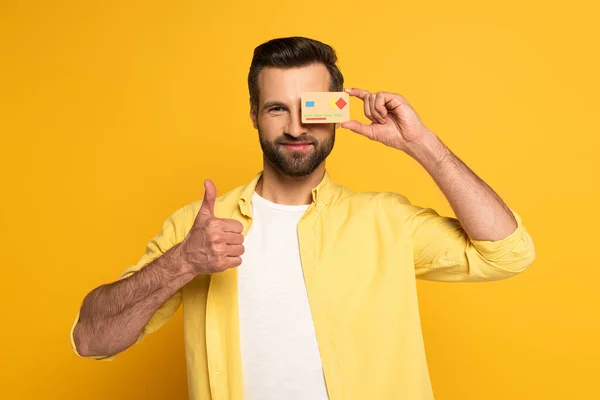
113 113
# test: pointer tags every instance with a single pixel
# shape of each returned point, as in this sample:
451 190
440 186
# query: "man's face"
279 123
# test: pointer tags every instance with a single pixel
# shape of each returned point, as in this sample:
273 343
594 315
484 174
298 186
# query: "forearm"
113 316
481 212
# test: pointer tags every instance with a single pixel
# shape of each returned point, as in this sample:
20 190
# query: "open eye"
276 109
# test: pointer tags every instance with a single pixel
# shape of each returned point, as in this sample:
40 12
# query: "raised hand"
212 244
394 122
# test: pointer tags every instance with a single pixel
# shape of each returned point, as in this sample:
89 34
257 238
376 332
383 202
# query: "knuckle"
222 264
214 248
213 223
214 237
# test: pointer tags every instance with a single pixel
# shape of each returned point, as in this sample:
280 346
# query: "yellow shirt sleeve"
443 251
173 231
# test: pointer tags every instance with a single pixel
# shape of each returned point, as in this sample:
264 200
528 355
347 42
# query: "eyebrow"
270 104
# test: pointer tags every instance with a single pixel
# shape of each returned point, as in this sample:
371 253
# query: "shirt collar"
321 194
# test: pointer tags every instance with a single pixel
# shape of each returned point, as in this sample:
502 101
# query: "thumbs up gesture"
213 244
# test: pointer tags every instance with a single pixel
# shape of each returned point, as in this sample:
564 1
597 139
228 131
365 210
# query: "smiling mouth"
297 146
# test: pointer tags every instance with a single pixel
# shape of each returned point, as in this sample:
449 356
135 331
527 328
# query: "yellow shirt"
360 254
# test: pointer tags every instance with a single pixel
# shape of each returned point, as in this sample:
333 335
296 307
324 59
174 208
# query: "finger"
210 195
368 111
392 100
374 113
235 250
379 106
233 238
231 225
357 127
360 93
234 262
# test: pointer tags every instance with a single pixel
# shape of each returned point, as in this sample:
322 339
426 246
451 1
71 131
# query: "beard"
296 163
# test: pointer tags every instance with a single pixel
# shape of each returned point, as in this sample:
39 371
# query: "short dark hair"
290 52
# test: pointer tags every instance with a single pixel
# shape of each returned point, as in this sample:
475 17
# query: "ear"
253 117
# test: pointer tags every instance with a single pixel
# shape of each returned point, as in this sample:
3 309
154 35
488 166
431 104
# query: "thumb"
210 194
355 126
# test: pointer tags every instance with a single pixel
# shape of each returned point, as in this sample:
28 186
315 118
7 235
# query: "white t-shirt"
280 355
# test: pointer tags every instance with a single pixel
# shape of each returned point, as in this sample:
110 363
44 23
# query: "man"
294 287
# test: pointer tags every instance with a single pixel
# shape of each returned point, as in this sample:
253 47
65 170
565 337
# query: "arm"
486 242
444 252
192 242
481 212
113 316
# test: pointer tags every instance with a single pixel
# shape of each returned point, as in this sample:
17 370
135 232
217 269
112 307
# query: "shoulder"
378 199
395 206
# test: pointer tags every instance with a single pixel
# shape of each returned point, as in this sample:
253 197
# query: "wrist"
178 259
428 151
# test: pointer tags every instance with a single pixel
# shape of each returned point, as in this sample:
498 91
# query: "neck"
288 190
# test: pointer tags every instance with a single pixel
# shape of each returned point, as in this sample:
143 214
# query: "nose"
295 126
